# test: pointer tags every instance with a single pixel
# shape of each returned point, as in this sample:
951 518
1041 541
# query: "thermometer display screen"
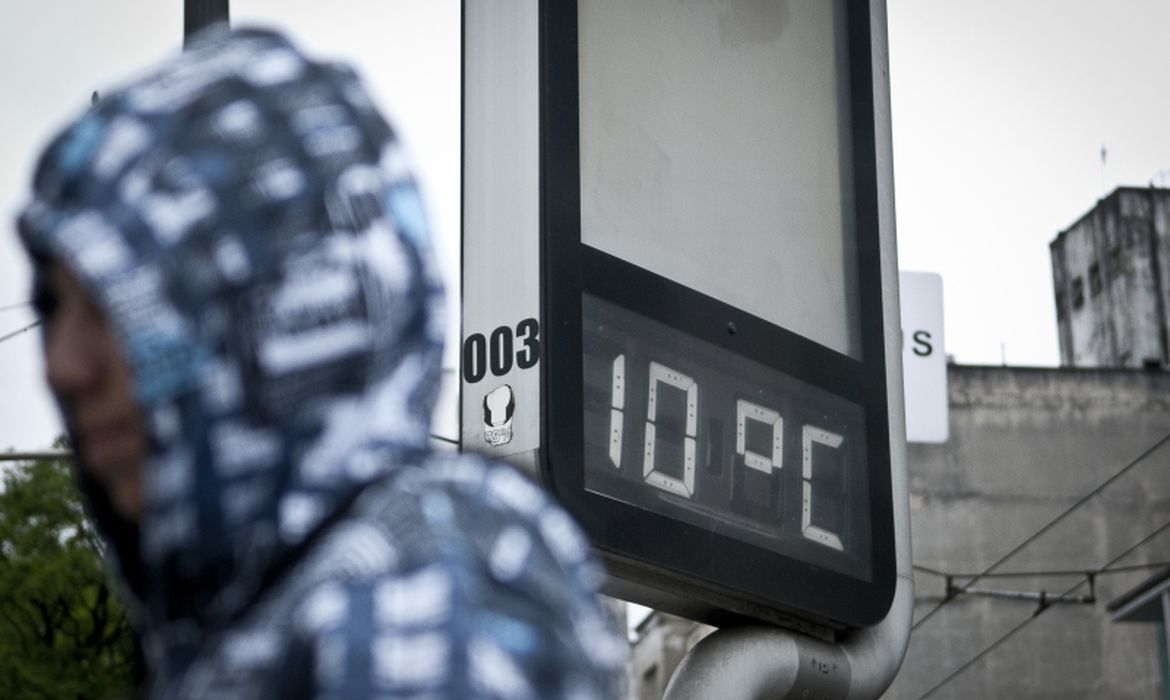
676 425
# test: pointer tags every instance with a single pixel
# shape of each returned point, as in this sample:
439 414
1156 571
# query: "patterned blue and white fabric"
250 226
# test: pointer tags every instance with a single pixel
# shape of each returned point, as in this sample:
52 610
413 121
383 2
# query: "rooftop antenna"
1104 156
200 14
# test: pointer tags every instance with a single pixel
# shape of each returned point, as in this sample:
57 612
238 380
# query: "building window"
1078 293
1094 279
1116 263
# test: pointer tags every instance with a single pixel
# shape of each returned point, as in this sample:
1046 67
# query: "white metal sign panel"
501 344
924 359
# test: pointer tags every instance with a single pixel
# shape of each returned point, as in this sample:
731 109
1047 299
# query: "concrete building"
659 644
1026 445
1111 273
1149 603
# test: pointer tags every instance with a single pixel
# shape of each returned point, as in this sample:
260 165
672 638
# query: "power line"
21 305
1042 574
34 456
1039 611
13 334
31 456
1042 596
1044 530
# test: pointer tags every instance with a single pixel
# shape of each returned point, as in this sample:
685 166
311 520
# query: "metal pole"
200 14
753 663
34 456
1166 636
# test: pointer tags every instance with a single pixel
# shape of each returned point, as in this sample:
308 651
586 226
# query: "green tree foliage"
63 633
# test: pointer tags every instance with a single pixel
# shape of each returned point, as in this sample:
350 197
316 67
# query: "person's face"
87 372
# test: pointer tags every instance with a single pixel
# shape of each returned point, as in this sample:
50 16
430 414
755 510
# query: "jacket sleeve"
488 601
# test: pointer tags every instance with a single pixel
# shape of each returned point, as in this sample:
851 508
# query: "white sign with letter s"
924 359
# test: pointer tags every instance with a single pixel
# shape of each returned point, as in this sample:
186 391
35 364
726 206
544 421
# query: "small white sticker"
498 407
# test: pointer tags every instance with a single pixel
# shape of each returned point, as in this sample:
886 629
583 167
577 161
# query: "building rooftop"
1143 602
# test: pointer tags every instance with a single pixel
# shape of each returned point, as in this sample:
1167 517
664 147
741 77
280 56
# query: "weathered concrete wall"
1110 285
1025 445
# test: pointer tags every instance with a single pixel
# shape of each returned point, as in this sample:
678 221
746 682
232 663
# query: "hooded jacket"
248 224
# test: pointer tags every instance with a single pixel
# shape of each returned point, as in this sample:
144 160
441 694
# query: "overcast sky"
1000 111
57 52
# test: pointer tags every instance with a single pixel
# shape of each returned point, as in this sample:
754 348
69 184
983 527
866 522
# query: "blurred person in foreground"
243 330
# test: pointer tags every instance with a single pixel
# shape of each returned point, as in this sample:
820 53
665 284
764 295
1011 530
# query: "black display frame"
686 562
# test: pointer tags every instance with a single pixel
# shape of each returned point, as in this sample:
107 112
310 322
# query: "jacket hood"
249 225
